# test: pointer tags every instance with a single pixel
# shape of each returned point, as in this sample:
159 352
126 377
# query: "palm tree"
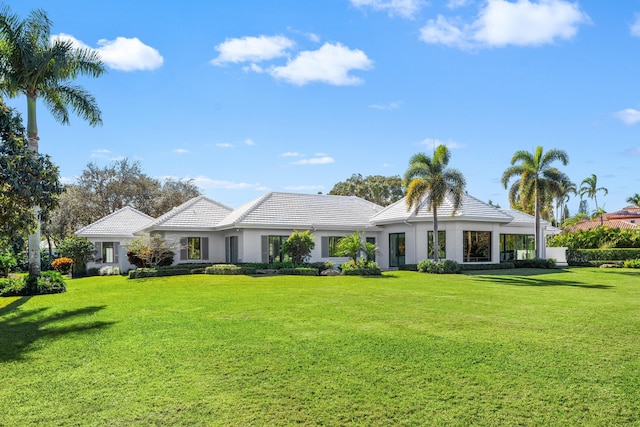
589 186
566 189
428 179
33 65
634 200
537 181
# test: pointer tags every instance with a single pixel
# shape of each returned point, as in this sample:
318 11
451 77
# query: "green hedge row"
229 269
299 271
586 257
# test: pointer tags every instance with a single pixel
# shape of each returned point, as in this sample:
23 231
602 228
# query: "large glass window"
442 236
108 252
372 240
275 248
333 245
477 246
194 248
397 248
516 246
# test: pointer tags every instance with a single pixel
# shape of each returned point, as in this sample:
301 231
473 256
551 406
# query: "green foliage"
140 273
534 263
596 238
299 271
150 252
408 267
62 265
229 269
381 190
438 267
351 246
360 268
299 246
80 250
8 260
27 179
586 257
506 265
49 282
632 263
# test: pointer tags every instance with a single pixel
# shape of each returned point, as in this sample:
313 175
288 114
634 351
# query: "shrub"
141 273
585 257
80 250
62 265
7 261
109 270
149 252
49 282
299 245
13 286
438 267
321 266
360 268
229 269
632 263
408 267
93 271
299 271
505 265
534 263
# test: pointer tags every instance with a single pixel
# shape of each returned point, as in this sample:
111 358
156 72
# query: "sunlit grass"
525 347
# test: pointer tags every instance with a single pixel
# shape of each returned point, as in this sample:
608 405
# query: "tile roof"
123 222
611 223
197 213
630 212
471 209
294 210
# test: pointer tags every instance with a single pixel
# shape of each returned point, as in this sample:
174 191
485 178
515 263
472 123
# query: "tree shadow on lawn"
534 281
19 328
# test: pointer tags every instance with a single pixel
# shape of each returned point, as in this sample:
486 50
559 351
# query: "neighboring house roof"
611 223
309 211
630 212
121 223
471 209
198 213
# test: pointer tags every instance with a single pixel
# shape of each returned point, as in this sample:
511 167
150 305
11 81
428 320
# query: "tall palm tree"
33 65
537 181
634 200
589 187
428 179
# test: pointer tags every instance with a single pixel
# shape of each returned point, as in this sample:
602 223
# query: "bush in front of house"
632 263
80 250
504 265
150 252
299 245
109 270
229 269
534 263
360 268
299 271
141 273
62 265
588 257
438 267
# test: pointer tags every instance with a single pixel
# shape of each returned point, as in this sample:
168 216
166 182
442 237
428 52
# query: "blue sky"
251 96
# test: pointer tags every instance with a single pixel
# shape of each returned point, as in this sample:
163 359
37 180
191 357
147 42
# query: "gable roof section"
121 223
198 213
471 209
294 210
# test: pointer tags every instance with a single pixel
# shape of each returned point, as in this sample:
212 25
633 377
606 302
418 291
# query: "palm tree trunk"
536 237
436 243
34 238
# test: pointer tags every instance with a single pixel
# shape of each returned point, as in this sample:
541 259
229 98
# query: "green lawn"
523 347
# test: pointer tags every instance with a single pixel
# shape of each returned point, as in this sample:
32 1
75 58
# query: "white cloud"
68 180
325 160
635 27
252 49
313 37
123 54
330 64
432 143
180 150
102 153
209 183
454 4
404 8
225 145
390 106
502 23
629 116
291 154
249 142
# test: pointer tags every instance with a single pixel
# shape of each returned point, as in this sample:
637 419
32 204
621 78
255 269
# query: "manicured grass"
522 347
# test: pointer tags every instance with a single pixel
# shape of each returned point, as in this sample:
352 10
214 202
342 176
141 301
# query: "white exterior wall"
215 247
123 263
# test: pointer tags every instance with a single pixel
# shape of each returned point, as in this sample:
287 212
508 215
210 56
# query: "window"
330 246
194 248
275 248
476 246
516 246
109 252
442 236
371 240
396 249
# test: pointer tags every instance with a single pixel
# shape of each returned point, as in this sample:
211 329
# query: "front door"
396 249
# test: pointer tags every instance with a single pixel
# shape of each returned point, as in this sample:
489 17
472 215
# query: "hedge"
141 273
586 257
487 266
229 269
299 271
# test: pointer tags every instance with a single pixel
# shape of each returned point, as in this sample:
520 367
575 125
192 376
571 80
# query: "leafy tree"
565 190
571 221
382 190
428 180
150 252
80 250
537 181
172 193
634 200
299 246
33 65
589 187
7 258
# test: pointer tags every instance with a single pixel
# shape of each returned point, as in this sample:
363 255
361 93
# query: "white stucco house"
207 231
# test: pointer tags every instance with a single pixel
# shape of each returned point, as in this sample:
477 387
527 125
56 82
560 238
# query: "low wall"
559 254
